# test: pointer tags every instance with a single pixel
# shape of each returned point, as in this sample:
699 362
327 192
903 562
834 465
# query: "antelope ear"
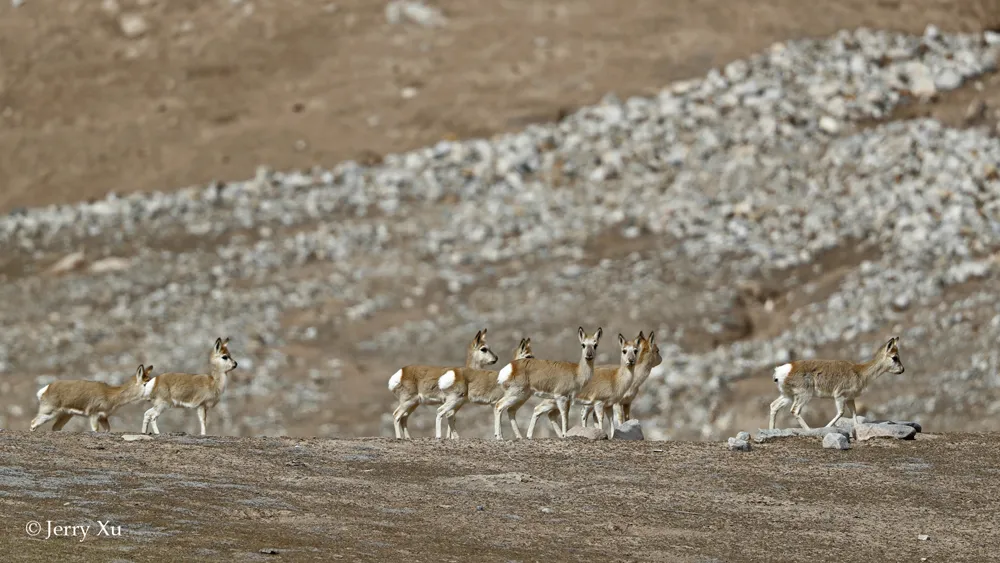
482 333
650 338
640 337
141 371
149 370
218 344
226 341
621 340
479 336
581 335
597 335
891 344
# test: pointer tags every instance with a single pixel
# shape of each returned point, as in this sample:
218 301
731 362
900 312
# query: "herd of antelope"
603 391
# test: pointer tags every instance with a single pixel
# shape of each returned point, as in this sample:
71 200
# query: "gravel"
763 166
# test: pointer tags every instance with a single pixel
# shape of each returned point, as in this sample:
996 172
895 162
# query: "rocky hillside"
775 208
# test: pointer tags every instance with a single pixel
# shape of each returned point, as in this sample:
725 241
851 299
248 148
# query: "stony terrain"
766 211
299 499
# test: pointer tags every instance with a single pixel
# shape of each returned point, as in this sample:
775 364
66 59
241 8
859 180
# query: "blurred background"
343 188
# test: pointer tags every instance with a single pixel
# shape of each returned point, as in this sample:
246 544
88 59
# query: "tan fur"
608 384
418 385
649 358
546 378
481 384
94 399
192 391
842 380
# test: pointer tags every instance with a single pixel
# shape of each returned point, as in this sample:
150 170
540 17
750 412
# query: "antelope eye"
483 349
225 358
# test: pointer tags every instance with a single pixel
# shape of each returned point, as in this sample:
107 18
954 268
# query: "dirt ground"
240 499
211 90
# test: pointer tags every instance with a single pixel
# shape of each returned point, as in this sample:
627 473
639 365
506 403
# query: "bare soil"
216 498
213 89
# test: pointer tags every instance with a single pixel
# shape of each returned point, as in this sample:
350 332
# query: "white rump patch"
446 380
396 380
42 392
781 372
147 388
505 373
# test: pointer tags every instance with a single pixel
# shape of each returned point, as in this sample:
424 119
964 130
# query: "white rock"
132 25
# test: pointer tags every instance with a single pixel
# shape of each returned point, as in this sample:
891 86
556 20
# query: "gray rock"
948 79
836 441
739 445
745 436
767 435
868 431
590 433
915 425
629 430
136 437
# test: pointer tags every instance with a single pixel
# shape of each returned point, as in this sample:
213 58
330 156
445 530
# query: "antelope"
190 391
481 384
798 382
608 384
415 385
546 378
646 363
95 399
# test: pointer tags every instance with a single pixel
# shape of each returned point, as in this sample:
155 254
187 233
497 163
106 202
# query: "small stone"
923 537
868 431
136 437
836 441
991 37
628 430
132 25
948 79
269 551
110 264
739 445
480 508
546 510
409 93
590 433
67 263
829 125
745 436
416 12
919 79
